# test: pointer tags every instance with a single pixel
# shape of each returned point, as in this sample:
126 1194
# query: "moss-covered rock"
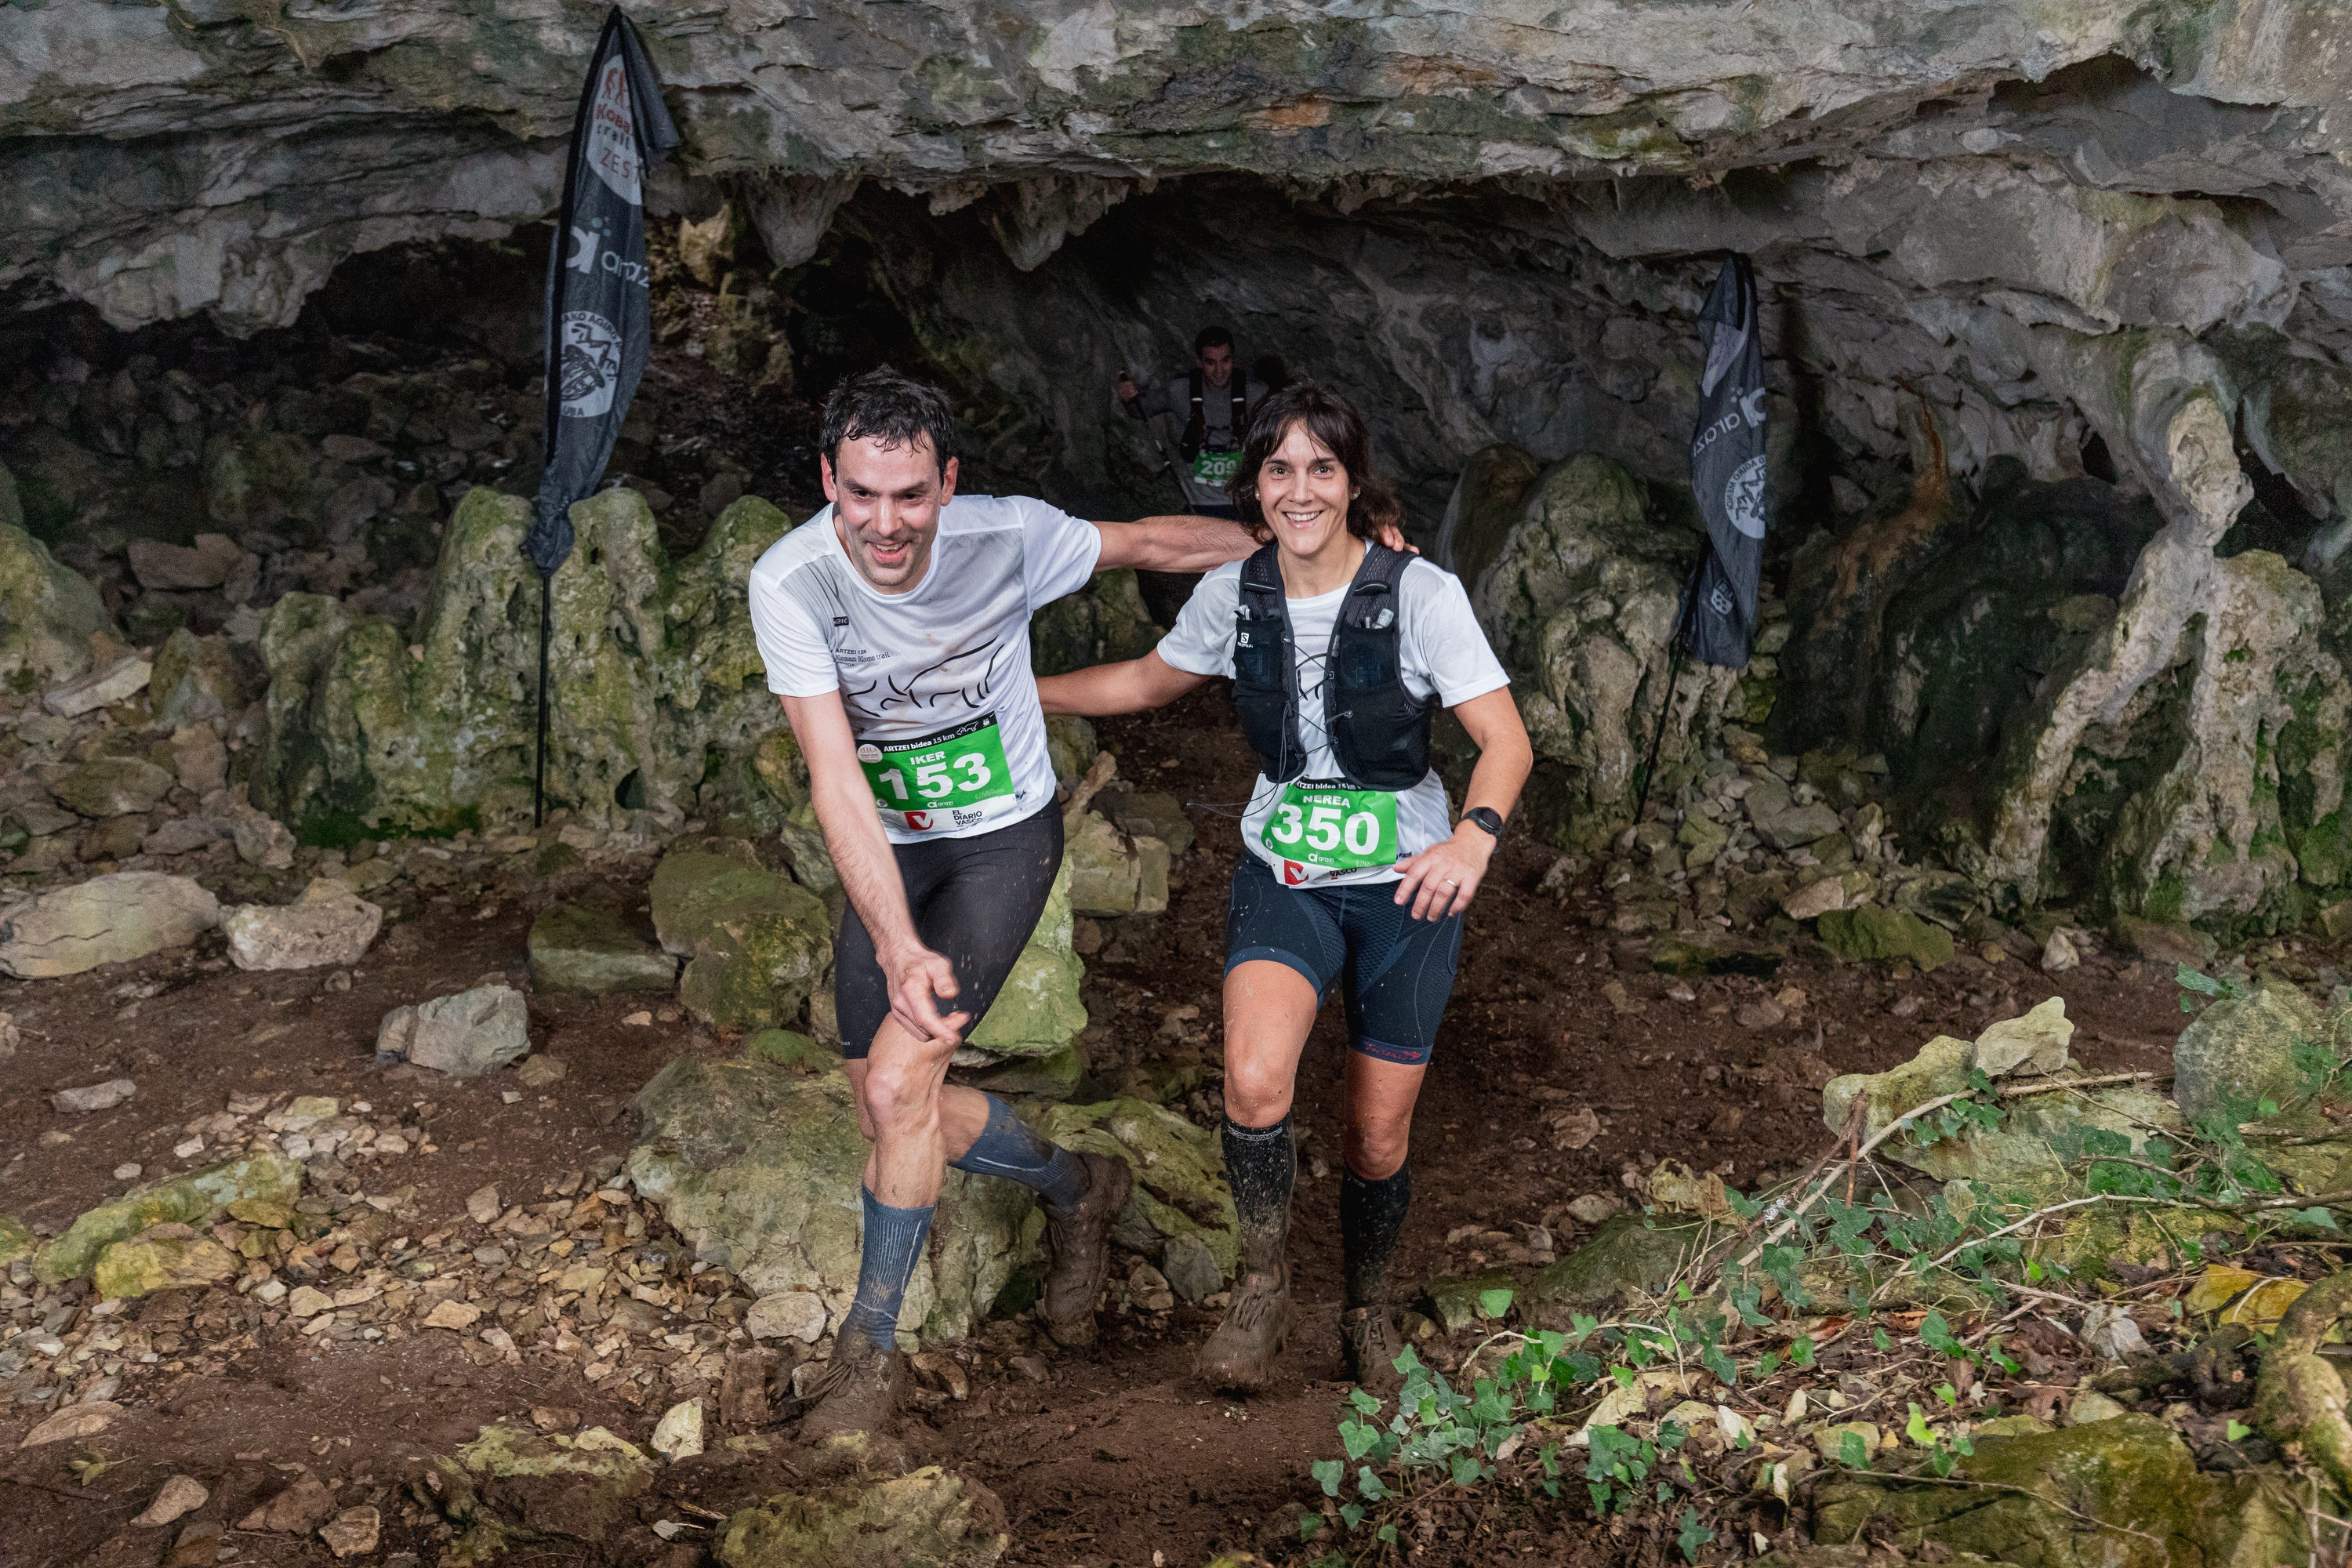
1892 936
593 950
16 1240
196 1198
510 1487
1038 1012
2121 1494
1102 623
654 680
196 679
48 613
2239 1051
755 943
1629 1256
930 1518
1179 1174
146 1264
758 1167
787 1047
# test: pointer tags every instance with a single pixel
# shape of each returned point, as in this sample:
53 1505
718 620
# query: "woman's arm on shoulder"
1128 687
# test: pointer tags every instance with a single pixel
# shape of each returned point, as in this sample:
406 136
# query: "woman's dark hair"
882 405
1333 423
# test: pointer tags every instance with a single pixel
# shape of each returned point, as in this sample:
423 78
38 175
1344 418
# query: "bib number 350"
1328 827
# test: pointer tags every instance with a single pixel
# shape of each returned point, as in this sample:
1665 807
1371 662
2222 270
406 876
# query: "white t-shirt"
1443 652
936 680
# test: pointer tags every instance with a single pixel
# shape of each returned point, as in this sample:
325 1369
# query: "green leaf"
1766 1364
2318 1217
1310 1525
1467 1469
1493 1303
1350 1515
1370 1486
1363 1402
1916 1428
1329 1471
1800 1352
2237 1433
1878 1338
1850 1453
1583 1326
1949 1394
1386 1536
1694 1534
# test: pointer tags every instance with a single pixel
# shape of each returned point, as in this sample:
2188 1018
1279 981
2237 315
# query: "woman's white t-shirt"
1442 650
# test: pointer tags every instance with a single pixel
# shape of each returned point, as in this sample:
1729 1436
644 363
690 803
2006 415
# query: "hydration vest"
1379 731
1196 428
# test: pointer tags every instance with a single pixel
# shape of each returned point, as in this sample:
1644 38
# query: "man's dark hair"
882 405
1213 338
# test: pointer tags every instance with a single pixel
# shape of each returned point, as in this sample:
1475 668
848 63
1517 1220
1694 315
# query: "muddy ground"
1116 1457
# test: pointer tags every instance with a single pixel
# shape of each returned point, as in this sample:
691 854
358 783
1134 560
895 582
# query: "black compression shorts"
1399 970
975 902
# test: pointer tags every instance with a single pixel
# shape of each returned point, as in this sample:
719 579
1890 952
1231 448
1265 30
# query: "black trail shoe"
856 1393
1241 1354
1369 1344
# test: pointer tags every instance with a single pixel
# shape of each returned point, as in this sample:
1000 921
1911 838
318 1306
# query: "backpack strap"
1375 598
1262 582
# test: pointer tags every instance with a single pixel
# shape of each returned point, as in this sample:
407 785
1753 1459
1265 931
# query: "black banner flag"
598 305
1719 618
598 312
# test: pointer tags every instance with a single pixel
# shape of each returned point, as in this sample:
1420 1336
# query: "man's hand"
1442 878
917 975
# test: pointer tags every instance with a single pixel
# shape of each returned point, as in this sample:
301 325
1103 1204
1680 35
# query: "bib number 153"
954 779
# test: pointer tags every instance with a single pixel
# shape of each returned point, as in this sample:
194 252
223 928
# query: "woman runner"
1339 650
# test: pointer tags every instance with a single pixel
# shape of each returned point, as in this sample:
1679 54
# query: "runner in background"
895 627
1212 399
1340 648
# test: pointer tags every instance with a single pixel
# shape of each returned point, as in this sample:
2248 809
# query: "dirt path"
1115 1457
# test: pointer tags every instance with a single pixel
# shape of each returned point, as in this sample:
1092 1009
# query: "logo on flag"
591 363
1743 497
613 134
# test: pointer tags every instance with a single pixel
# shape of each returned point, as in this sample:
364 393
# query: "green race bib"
1323 827
948 782
1216 469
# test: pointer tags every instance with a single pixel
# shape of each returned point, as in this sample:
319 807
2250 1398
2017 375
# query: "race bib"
948 782
1320 826
1216 469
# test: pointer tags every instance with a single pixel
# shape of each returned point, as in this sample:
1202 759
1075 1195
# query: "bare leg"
1269 1012
914 1119
1379 1100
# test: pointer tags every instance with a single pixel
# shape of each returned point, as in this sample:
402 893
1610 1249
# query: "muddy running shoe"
1369 1344
856 1392
1239 1355
1080 1241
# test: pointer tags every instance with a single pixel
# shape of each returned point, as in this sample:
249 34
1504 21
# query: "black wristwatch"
1486 817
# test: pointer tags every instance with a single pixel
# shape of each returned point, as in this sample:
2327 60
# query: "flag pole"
1673 671
539 763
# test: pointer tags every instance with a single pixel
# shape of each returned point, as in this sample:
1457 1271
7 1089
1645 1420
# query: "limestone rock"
107 920
197 1198
1584 593
787 1315
144 1264
679 1434
207 563
48 613
1152 814
932 1517
1071 746
1102 623
1180 1183
1486 506
95 1097
464 1036
2129 1466
2033 1046
1892 935
755 943
1629 1256
2240 1050
1038 1012
352 1532
118 682
72 1423
759 1168
511 1486
1111 873
179 1495
196 679
577 949
328 924
16 1240
653 668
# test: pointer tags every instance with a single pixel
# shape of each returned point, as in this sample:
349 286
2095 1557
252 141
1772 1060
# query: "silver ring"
1453 884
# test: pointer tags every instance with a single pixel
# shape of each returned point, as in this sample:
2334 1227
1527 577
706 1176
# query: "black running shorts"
1399 970
975 902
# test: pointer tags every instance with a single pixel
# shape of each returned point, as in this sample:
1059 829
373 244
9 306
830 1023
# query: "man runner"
895 625
1212 398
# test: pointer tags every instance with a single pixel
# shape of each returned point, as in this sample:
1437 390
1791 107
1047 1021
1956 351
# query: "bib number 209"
1330 827
952 780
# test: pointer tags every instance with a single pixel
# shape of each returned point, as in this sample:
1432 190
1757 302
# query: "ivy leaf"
2318 1217
1370 1486
1385 1535
1350 1515
1310 1525
1916 1428
1694 1535
1467 1469
1356 1438
2237 1433
1493 1303
1329 1471
1800 1354
1850 1453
